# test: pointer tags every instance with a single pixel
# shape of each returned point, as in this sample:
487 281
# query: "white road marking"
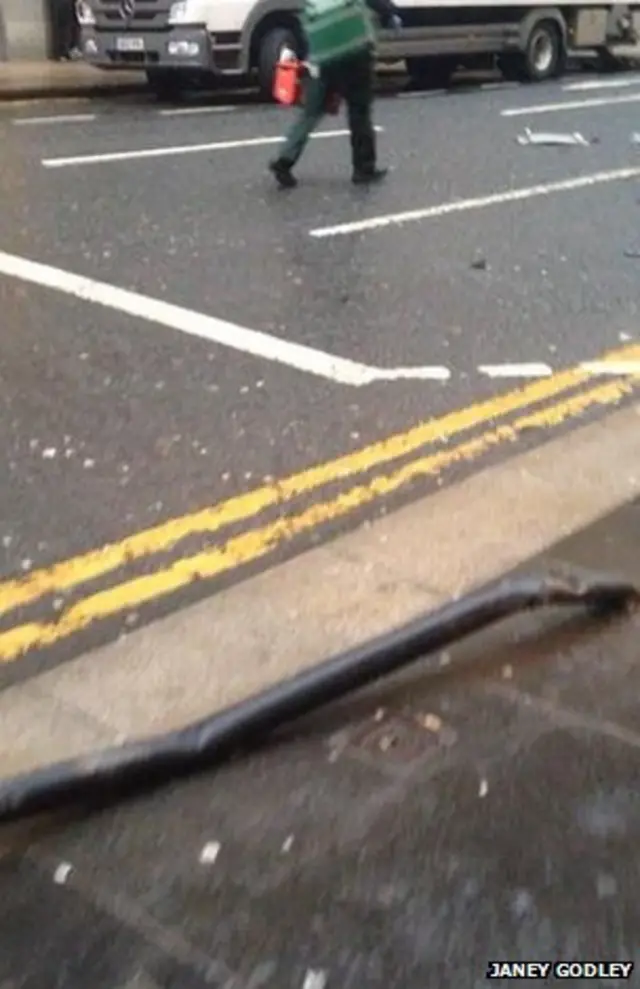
62 118
183 149
10 105
612 367
522 111
515 370
187 111
481 202
589 84
489 86
293 355
422 95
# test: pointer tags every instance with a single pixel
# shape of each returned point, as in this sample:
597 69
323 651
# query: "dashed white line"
62 118
183 149
491 86
481 202
515 370
294 355
612 367
590 84
522 111
192 111
429 94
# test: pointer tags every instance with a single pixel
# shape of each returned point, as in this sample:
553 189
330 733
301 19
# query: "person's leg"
67 17
358 94
56 24
74 31
309 115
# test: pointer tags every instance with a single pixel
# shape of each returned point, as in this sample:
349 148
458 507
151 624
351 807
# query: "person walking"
64 29
339 39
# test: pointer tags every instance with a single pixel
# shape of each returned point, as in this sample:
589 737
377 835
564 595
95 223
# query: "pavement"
22 80
325 412
480 807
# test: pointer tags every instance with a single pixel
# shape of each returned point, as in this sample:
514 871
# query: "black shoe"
370 176
283 174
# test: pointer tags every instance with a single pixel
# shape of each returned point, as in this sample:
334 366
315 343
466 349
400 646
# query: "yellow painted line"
257 543
77 570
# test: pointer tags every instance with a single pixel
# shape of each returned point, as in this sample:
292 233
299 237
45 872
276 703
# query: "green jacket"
335 29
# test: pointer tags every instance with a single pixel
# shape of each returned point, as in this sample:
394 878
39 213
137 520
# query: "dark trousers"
64 27
351 78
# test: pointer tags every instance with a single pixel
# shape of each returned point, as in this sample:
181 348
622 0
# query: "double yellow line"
257 542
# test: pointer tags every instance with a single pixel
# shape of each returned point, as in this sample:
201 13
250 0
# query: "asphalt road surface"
201 374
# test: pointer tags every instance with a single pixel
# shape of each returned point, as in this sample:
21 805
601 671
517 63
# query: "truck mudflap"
174 48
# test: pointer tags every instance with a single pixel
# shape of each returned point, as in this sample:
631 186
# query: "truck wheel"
431 72
165 84
544 55
271 46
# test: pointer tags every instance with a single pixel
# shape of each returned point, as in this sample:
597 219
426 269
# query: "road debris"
210 852
431 722
507 672
632 252
287 844
387 742
62 873
549 139
379 715
480 264
315 979
483 789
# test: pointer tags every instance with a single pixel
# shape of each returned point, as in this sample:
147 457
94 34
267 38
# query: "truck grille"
147 14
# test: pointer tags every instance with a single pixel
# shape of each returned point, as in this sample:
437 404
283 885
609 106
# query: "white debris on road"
431 722
315 979
210 852
62 873
483 789
551 140
287 845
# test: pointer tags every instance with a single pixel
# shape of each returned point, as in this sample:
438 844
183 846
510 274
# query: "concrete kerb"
293 616
54 80
70 92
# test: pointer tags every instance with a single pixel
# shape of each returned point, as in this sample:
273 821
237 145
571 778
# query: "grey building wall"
24 32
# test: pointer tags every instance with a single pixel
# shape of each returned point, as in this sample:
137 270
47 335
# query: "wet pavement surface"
483 806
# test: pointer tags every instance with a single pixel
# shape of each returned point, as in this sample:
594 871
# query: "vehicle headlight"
85 14
181 12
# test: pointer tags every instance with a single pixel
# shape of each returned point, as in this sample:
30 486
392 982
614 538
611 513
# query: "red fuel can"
286 79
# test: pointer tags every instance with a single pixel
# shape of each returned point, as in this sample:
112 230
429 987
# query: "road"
201 375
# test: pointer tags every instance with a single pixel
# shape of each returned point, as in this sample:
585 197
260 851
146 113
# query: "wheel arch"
264 17
534 17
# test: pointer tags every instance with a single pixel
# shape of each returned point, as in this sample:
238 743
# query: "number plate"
130 44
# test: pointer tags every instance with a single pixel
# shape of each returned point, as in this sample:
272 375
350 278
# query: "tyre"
434 72
269 51
544 55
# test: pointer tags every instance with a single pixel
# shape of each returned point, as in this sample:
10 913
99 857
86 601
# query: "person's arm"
386 11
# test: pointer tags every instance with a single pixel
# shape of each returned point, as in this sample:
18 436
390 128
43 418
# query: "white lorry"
192 42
